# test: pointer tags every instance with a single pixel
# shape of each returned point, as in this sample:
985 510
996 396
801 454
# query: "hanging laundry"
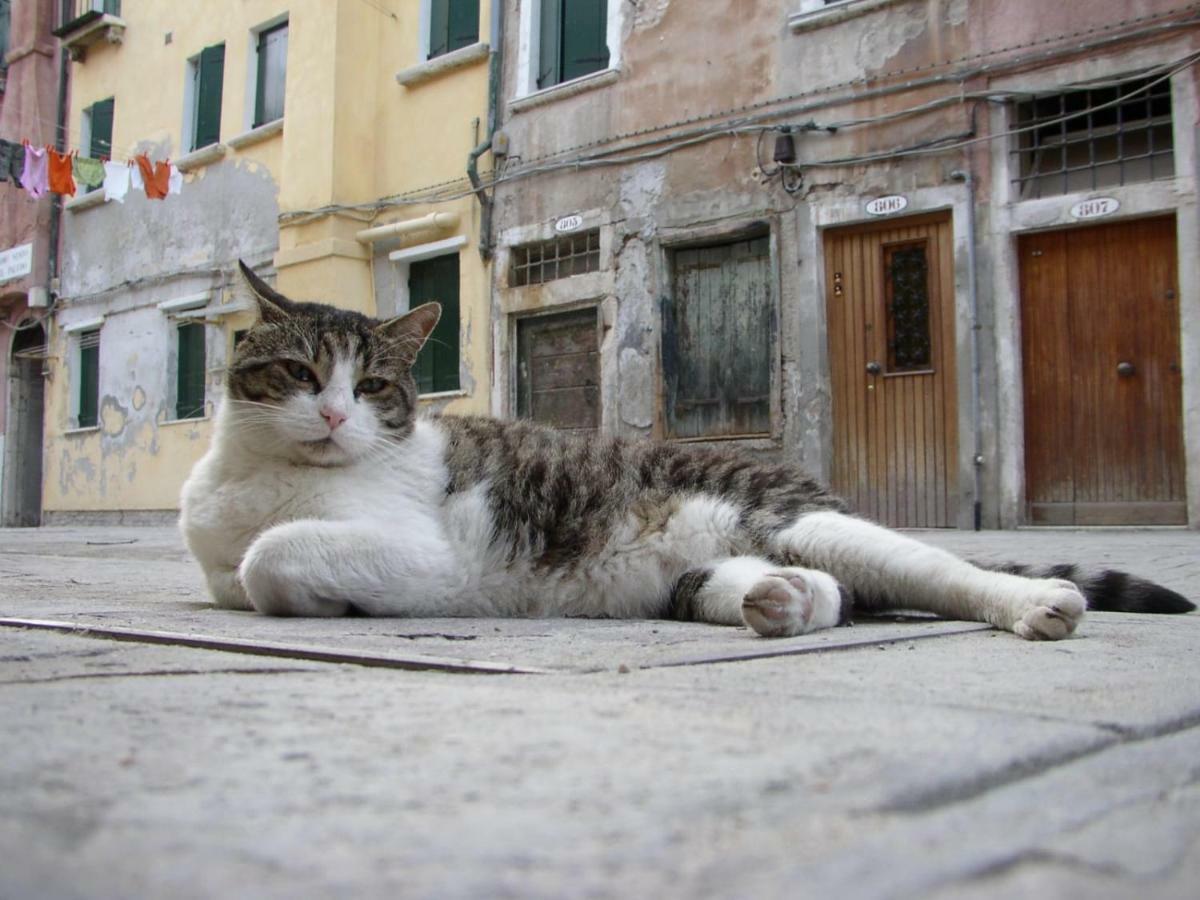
35 177
154 176
12 162
88 172
174 181
135 176
116 181
60 178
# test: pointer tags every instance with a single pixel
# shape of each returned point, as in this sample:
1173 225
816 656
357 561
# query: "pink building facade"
28 109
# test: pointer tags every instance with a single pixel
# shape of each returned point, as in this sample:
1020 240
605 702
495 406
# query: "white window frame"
252 69
529 41
191 76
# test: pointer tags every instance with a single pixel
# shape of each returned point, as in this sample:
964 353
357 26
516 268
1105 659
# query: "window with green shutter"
189 379
100 127
209 75
436 368
573 41
272 74
87 414
453 24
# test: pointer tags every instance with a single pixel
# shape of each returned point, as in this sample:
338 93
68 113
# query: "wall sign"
16 262
1094 209
568 223
885 206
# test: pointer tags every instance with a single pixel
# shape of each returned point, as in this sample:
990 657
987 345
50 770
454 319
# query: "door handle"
874 368
1125 369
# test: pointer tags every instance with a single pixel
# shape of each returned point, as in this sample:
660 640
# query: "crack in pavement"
156 673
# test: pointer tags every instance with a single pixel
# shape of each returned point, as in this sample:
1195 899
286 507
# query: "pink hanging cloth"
36 177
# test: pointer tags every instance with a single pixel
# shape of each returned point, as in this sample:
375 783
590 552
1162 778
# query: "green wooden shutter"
210 81
100 145
584 39
463 28
436 367
549 47
439 27
189 396
89 380
453 24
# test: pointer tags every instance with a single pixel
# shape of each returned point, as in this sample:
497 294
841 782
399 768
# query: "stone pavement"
153 746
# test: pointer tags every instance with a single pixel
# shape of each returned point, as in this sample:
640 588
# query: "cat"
324 493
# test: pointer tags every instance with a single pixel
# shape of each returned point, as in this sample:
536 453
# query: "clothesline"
72 136
42 170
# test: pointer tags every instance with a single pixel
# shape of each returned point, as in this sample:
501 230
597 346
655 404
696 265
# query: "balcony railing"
84 22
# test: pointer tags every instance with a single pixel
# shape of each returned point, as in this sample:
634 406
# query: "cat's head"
319 385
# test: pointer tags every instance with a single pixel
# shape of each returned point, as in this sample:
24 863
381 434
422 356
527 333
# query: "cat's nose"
334 417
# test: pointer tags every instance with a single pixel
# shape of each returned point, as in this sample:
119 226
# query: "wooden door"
1101 362
718 341
558 369
890 302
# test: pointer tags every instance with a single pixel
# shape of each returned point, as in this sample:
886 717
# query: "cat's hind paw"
790 602
1055 612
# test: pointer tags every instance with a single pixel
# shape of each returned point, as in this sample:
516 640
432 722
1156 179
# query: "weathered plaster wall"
122 259
683 69
27 110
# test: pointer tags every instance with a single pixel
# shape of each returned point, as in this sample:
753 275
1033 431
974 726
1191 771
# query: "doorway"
1102 375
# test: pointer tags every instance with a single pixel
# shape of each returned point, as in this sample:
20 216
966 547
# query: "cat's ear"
410 331
272 305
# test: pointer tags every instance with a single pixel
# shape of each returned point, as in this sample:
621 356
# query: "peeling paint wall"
684 109
121 260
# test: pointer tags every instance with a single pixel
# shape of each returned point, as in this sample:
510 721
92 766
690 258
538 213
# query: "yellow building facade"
325 142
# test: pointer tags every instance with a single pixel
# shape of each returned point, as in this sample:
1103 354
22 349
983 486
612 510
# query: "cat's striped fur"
324 492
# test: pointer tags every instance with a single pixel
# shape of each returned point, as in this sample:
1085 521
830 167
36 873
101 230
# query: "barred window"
1092 138
572 254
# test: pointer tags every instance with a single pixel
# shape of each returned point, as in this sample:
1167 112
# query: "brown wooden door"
890 301
1101 362
558 369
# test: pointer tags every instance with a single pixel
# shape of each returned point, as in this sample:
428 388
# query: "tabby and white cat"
324 493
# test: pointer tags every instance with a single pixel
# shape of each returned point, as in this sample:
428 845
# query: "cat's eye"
300 371
370 386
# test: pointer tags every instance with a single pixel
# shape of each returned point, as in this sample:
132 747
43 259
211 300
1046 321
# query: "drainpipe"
433 221
494 60
60 144
968 179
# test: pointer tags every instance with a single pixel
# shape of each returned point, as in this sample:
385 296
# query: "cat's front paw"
1055 610
790 602
282 573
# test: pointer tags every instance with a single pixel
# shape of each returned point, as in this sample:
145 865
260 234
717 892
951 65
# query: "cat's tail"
1105 589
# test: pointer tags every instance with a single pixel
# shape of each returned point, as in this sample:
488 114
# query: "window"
97 132
98 127
906 293
1092 138
558 369
718 340
206 79
436 367
271 74
572 40
562 257
453 24
5 25
87 407
190 371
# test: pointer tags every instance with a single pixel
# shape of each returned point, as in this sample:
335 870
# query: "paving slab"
913 764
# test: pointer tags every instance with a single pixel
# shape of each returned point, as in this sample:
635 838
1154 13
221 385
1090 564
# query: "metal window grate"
910 348
573 254
1092 138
